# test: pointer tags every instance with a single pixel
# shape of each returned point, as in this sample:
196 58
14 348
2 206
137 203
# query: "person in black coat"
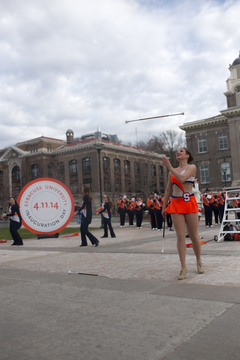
86 210
105 210
15 221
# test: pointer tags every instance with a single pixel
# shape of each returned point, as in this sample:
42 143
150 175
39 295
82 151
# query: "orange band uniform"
121 204
207 202
221 198
158 204
137 205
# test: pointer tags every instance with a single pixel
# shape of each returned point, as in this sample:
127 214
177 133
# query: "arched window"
16 181
34 171
127 176
137 177
117 175
136 168
73 168
153 170
86 170
73 176
86 164
106 175
106 163
127 167
16 173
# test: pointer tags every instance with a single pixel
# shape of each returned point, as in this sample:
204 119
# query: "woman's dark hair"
14 200
87 191
190 159
109 201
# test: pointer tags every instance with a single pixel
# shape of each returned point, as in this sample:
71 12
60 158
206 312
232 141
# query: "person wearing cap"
208 199
138 209
130 210
121 210
150 205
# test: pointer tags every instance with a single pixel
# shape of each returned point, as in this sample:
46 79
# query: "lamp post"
225 175
99 148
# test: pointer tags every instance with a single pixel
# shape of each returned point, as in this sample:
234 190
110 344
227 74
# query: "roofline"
94 143
39 138
209 121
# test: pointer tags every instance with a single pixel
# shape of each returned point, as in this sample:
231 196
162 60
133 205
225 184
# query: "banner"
46 206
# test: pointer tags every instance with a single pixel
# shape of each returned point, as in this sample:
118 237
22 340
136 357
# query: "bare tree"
167 142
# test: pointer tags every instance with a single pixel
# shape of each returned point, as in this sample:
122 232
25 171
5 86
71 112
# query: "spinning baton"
163 236
155 117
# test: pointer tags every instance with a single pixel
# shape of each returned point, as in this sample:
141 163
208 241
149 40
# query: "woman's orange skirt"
179 206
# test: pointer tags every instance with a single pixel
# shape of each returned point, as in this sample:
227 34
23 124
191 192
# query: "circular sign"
46 206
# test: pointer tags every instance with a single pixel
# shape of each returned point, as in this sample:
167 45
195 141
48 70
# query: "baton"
163 236
154 117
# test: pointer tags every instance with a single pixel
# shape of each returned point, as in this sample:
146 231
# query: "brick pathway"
132 254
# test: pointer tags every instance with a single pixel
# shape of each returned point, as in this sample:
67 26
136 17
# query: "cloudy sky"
81 64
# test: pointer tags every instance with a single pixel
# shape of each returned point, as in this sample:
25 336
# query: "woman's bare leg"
192 224
179 226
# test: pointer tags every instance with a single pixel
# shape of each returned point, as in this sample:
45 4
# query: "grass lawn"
25 234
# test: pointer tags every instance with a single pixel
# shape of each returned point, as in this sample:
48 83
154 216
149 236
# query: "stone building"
123 169
215 142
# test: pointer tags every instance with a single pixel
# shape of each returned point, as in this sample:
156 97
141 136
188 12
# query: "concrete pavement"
127 302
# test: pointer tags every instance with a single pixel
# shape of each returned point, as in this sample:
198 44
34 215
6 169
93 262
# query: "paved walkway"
126 303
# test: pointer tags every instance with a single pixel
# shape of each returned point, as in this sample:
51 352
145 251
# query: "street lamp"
225 175
99 148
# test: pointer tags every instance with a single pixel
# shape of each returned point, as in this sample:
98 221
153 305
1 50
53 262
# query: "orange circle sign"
46 206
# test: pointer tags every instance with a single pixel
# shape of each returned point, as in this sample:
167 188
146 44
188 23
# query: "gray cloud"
92 63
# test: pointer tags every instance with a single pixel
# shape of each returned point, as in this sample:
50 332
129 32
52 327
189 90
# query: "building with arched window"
215 142
74 162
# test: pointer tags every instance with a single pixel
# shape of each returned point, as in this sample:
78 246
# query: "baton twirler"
154 117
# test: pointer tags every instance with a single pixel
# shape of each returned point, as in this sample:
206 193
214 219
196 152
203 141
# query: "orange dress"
184 202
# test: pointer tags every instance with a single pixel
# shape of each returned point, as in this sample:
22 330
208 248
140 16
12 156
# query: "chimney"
69 135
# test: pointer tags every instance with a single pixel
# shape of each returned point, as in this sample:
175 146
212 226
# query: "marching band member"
183 207
169 218
221 203
130 210
121 210
208 199
105 210
138 209
150 205
215 209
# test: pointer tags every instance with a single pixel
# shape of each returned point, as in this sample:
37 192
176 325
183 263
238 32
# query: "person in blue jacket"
86 210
